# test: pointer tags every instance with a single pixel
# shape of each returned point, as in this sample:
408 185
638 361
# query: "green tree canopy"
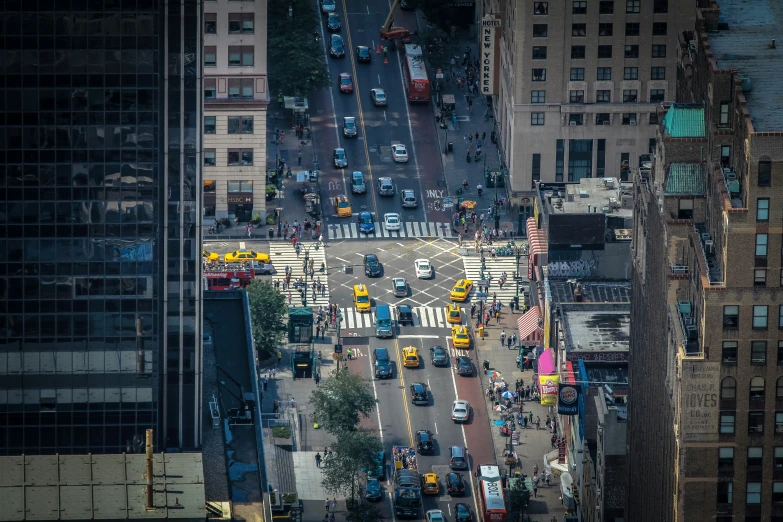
341 401
439 48
296 65
364 513
268 311
518 497
353 451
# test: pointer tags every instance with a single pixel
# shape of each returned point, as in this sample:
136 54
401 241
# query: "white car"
392 221
423 268
460 411
399 153
435 515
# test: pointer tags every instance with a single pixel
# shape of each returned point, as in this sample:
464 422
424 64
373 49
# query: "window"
537 96
779 388
659 51
241 23
603 96
536 167
209 124
630 73
604 51
606 7
653 118
780 316
536 118
659 29
579 8
729 352
731 316
755 422
778 460
209 158
210 23
727 423
629 118
762 209
577 52
759 277
753 495
240 157
725 458
765 173
632 51
725 492
778 422
539 75
210 56
632 6
632 29
578 29
576 96
240 186
210 88
657 95
240 125
630 96
724 113
760 316
777 492
761 245
605 30
576 119
240 56
540 8
658 73
539 52
757 388
240 88
602 118
559 160
577 74
728 388
725 156
660 6
754 456
539 30
604 73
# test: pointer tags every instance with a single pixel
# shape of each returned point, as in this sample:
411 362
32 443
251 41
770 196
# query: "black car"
383 368
464 366
419 393
363 54
404 314
424 442
337 49
372 267
462 512
455 484
333 23
439 356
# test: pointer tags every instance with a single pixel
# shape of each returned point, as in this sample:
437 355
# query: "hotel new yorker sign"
489 56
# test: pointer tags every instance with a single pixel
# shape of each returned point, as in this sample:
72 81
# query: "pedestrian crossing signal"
338 348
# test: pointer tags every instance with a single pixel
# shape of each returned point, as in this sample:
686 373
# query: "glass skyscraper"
100 294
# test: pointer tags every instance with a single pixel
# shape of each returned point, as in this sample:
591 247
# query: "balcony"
709 262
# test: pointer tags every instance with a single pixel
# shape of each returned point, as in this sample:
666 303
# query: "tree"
440 49
341 401
364 513
436 12
268 311
518 498
296 61
354 451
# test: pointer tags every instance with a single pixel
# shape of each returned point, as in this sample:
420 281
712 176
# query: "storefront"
210 198
239 198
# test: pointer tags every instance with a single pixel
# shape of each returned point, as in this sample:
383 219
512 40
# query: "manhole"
363 207
373 149
319 111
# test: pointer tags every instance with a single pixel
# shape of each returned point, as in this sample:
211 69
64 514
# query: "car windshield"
454 313
380 95
458 289
399 284
343 204
339 154
411 357
384 322
459 409
346 80
363 299
328 3
351 125
461 336
391 219
464 364
366 219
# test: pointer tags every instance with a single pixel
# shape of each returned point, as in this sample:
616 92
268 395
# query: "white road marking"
418 337
379 82
331 96
436 428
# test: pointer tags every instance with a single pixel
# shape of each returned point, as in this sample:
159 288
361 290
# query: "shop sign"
488 44
240 199
549 387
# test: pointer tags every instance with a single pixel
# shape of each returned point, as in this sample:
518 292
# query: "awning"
536 238
530 331
546 363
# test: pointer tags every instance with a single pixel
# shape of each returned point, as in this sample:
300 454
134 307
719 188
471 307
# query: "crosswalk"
284 254
409 229
423 316
494 267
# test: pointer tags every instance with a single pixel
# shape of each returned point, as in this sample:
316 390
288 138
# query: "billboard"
549 388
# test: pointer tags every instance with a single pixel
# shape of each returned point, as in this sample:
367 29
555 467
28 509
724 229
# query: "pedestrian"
509 343
289 298
282 136
334 504
275 407
248 230
548 421
273 372
535 469
503 337
299 157
483 136
538 423
497 317
477 135
327 503
277 136
466 140
317 460
331 517
535 490
317 379
292 403
266 382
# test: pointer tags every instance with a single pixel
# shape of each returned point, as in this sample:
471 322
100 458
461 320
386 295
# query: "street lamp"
446 143
306 271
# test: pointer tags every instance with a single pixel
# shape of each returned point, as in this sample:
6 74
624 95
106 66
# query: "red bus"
415 74
228 280
491 501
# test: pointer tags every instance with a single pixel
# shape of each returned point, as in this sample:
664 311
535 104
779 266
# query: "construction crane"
393 33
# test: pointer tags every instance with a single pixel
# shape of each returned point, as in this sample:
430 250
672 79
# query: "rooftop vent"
608 182
584 194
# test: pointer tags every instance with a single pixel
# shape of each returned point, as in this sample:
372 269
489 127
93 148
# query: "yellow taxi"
460 337
410 357
361 298
206 255
454 313
241 256
342 206
429 484
461 290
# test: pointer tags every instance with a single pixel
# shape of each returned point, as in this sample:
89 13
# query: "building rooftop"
593 195
684 121
563 292
94 487
596 328
746 46
686 179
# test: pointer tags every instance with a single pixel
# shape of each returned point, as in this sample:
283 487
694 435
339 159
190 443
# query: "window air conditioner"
632 122
693 332
572 123
709 246
605 122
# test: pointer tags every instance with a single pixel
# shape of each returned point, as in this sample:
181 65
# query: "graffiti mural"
577 268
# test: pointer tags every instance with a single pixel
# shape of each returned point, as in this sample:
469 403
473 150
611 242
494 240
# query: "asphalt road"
378 127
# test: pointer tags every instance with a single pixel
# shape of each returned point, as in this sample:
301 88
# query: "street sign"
338 348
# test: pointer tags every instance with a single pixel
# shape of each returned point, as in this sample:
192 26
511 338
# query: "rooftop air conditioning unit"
705 236
683 306
709 247
687 319
692 332
730 176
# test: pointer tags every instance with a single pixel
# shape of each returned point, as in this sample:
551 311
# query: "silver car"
460 411
385 187
400 287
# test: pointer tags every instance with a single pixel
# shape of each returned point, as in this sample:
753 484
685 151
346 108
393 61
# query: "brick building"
706 364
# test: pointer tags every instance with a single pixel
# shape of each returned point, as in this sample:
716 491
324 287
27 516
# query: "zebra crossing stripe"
407 229
423 316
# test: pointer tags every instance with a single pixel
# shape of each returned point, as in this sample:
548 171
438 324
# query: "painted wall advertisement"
488 47
549 388
699 400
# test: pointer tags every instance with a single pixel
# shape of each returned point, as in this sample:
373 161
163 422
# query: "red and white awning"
530 331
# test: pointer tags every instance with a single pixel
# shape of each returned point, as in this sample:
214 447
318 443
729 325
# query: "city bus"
491 501
415 74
